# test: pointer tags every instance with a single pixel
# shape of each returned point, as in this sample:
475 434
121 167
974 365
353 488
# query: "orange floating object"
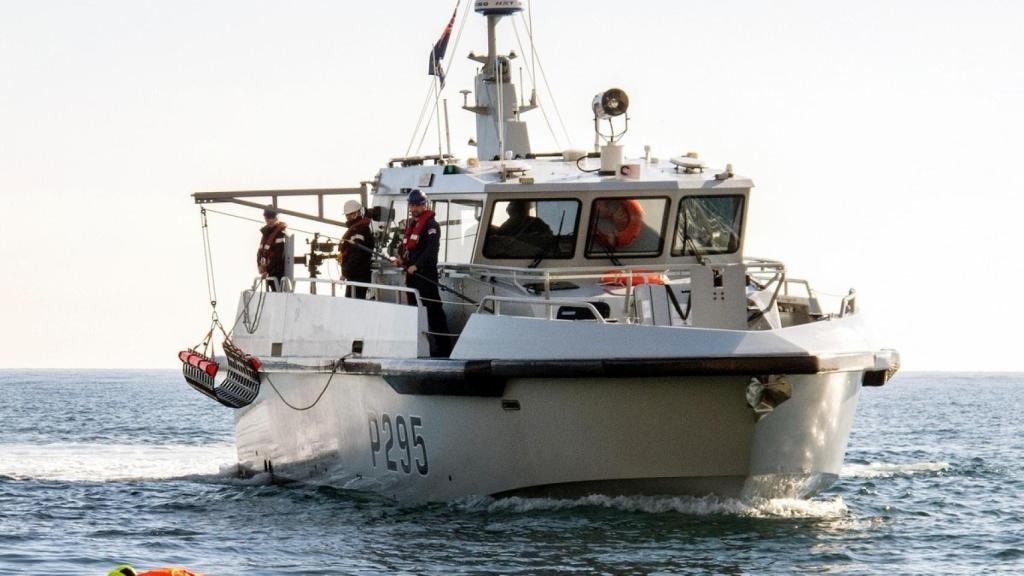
627 215
126 570
193 358
638 278
170 572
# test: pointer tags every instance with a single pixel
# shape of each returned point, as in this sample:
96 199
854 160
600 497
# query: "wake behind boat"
609 334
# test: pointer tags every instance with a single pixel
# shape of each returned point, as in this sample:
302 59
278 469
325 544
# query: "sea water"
101 468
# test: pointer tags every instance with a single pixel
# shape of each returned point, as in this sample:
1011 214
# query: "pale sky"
884 139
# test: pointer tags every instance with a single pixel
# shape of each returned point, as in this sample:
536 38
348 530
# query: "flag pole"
447 129
437 112
437 53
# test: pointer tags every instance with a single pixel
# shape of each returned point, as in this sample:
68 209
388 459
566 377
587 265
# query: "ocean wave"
229 475
886 470
114 462
688 505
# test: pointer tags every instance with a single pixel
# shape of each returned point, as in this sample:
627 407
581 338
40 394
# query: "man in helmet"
270 256
420 246
356 251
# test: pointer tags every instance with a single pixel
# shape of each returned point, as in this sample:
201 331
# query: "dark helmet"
417 198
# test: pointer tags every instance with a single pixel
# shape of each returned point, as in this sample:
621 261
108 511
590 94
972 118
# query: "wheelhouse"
559 228
625 226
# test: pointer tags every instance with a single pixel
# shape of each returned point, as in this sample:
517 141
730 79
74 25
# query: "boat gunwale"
488 377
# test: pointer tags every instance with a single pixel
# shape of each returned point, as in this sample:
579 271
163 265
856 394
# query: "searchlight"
607 106
610 103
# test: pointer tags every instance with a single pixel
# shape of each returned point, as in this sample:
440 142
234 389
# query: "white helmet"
352 206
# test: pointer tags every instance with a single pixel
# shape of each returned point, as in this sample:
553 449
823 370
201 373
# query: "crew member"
270 256
356 251
521 224
420 245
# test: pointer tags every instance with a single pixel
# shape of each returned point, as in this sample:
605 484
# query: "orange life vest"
414 228
631 212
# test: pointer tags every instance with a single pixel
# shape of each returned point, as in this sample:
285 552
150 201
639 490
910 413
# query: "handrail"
799 282
849 304
763 263
334 284
519 276
284 284
548 303
289 284
581 272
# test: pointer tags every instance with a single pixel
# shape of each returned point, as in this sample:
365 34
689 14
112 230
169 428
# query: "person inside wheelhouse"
618 227
524 226
532 229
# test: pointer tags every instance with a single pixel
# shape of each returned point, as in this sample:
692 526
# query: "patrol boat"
611 335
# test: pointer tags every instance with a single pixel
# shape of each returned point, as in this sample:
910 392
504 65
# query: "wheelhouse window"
625 226
532 228
459 226
708 225
395 221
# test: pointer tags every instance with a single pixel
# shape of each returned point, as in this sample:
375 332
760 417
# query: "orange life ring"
628 220
638 278
169 572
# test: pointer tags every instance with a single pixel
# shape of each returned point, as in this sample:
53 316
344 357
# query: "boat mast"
498 127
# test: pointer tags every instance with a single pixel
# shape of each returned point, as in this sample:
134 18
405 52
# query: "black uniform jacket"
356 260
270 256
424 254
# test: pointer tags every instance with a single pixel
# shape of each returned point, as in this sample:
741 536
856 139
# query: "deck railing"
539 281
549 304
290 284
537 284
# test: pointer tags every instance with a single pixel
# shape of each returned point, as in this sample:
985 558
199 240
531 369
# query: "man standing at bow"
420 246
270 256
356 249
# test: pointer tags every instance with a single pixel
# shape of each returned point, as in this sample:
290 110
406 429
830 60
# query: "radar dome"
498 7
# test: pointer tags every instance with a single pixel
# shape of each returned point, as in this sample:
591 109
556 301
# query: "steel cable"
319 396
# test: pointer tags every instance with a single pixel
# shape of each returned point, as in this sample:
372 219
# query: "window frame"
739 234
494 203
447 228
617 254
442 253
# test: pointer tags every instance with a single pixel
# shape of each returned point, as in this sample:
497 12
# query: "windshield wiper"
553 243
701 258
693 248
609 251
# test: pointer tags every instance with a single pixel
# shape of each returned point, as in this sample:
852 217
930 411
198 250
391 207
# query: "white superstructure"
612 336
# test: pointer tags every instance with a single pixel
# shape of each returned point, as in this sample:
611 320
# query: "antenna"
447 129
500 116
522 102
437 112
